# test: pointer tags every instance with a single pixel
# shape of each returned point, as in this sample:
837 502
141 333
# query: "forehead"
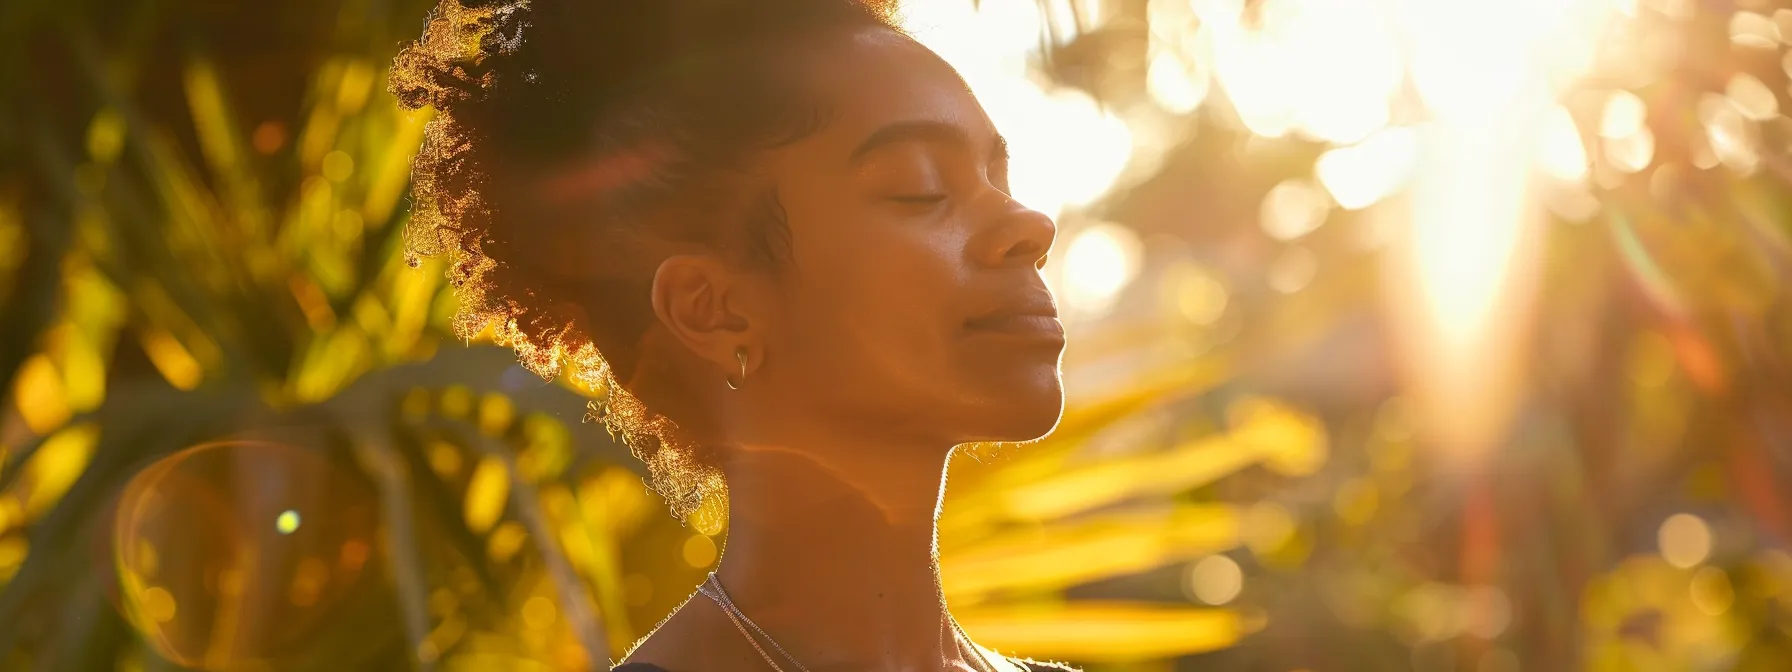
875 78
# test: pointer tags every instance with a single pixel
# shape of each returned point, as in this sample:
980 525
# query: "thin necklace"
712 589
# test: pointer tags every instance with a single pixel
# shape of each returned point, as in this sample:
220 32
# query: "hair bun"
460 56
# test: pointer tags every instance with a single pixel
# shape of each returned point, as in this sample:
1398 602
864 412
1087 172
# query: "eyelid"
919 198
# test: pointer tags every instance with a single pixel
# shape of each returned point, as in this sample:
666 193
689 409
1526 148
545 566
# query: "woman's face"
913 300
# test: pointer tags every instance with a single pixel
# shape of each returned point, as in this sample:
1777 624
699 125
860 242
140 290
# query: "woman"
777 233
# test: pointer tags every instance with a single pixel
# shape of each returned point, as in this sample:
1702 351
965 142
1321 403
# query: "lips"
1031 318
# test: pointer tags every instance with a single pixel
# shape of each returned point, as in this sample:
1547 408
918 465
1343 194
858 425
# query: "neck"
837 560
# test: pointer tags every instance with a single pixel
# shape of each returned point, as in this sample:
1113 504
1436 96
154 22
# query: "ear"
703 304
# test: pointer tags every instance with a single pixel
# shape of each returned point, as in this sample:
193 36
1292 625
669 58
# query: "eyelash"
920 199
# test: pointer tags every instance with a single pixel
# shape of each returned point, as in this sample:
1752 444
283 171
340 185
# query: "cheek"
873 308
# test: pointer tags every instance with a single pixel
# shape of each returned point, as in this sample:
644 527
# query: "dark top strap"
1031 666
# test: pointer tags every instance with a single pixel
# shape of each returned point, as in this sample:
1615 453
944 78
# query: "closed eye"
919 199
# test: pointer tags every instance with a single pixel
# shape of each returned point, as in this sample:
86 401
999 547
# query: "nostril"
1027 249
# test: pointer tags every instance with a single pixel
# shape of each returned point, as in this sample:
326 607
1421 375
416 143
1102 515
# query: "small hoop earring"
740 355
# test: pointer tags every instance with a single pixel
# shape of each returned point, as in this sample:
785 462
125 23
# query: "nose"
1015 236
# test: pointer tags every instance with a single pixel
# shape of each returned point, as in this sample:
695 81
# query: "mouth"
1029 321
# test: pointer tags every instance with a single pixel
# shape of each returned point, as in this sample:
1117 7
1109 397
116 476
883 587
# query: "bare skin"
911 318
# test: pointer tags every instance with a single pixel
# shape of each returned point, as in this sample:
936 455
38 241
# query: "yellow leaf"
56 465
412 293
1293 443
355 84
12 554
105 136
614 501
171 358
329 364
312 301
83 371
457 401
39 394
1105 631
1064 555
371 316
211 117
320 129
386 182
1190 465
487 492
495 414
505 541
547 449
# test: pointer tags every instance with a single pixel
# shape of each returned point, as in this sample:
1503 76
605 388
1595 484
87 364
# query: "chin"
1022 417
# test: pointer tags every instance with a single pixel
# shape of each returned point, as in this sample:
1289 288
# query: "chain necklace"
712 589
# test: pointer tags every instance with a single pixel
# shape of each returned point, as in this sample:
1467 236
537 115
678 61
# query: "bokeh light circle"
239 552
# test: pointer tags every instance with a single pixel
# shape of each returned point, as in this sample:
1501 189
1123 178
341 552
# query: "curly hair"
617 128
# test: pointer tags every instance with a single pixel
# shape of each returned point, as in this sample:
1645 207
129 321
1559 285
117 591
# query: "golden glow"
1066 150
505 541
1678 9
338 166
1174 83
1267 527
488 491
699 551
444 458
1711 591
710 517
1293 208
1099 262
1293 270
1629 144
1423 118
1623 115
539 612
205 583
495 414
1324 68
1732 136
1466 227
1684 540
1754 31
308 581
1216 579
1360 175
1194 292
157 604
1561 153
1751 97
287 522
1651 361
1633 152
1488 73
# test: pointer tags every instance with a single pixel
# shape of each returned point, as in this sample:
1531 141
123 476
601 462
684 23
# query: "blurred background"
1405 335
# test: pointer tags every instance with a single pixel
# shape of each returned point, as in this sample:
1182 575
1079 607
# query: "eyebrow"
926 131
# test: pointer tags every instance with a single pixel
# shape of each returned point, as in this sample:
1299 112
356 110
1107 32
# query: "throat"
841 570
